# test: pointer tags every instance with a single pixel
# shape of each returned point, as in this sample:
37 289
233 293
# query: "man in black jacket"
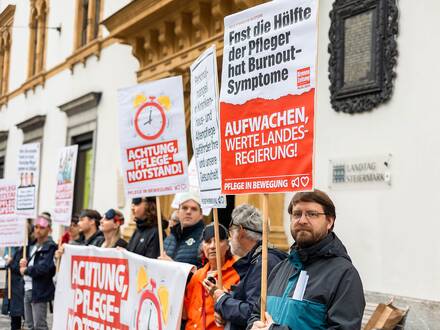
245 228
38 270
145 239
90 234
185 237
316 287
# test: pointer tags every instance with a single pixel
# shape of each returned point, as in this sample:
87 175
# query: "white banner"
28 169
114 289
65 185
11 227
153 138
205 128
193 178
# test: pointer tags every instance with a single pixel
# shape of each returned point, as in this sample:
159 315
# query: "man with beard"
317 286
245 229
145 239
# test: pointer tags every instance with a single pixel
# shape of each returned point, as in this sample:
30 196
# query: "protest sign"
205 128
193 179
28 169
153 138
65 185
114 289
267 98
11 227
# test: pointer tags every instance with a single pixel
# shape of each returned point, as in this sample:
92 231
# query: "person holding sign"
199 302
185 237
317 286
145 239
245 229
38 270
89 221
111 228
14 306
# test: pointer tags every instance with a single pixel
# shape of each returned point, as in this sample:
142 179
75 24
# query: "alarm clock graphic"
150 120
148 315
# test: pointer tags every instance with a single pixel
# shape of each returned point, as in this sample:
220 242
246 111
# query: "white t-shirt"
27 279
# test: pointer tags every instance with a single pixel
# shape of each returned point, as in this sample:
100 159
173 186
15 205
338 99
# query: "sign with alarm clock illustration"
153 138
101 288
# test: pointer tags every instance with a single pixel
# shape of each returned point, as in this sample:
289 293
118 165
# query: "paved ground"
6 324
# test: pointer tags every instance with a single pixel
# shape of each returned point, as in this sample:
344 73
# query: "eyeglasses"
310 215
231 224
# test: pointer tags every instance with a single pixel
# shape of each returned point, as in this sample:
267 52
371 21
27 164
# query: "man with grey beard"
245 228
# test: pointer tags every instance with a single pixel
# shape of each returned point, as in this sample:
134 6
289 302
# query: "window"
6 21
83 175
3 145
2 167
37 39
81 130
88 18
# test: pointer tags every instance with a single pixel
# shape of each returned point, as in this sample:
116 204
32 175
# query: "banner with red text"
267 99
153 138
65 185
28 168
114 289
11 227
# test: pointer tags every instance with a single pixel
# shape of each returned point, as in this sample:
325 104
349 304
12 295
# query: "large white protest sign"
28 169
11 227
113 289
267 98
153 138
205 128
65 185
193 178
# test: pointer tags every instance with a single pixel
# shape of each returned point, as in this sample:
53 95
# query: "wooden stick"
159 224
26 238
218 257
264 257
57 266
9 279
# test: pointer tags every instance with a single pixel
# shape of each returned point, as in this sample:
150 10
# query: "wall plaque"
363 52
349 173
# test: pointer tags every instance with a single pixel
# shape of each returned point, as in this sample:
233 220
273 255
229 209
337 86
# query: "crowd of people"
315 286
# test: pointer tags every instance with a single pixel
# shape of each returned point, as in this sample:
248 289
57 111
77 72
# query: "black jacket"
119 243
236 307
15 307
333 298
96 239
183 244
42 271
145 240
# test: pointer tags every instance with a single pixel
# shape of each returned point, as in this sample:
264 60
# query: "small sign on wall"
347 173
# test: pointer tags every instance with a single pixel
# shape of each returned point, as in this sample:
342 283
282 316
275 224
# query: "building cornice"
32 124
81 104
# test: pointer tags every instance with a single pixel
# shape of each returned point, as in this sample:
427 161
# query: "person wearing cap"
72 234
245 229
111 228
317 286
89 221
198 301
185 236
38 270
145 239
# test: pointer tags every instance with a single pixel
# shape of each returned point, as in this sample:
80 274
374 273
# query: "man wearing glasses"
245 229
317 286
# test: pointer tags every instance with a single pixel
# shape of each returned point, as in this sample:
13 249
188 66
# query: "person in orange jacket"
198 302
